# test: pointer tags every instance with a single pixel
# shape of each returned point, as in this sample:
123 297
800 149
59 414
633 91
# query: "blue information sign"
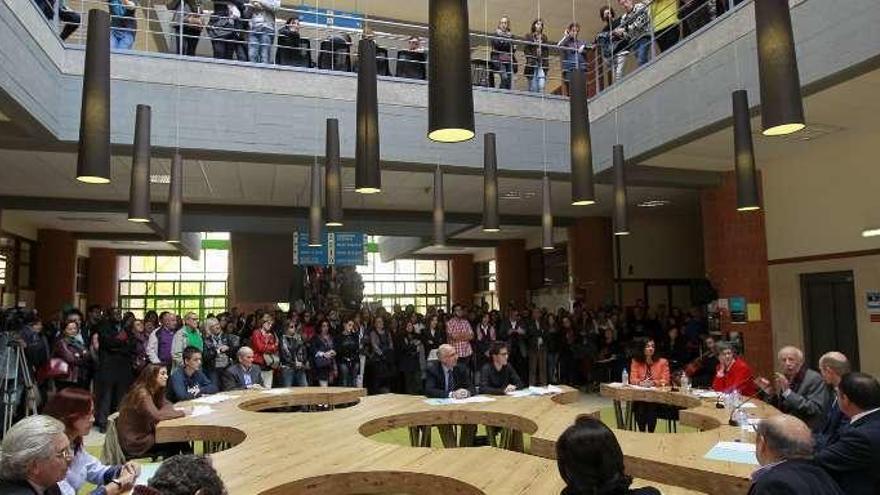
329 17
337 248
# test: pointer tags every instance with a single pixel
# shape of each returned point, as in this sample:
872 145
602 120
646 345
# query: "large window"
421 283
484 283
177 283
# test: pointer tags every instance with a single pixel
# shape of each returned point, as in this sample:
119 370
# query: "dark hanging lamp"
450 94
368 176
315 221
744 155
582 190
175 200
139 192
93 161
782 109
491 222
333 176
546 216
621 226
439 214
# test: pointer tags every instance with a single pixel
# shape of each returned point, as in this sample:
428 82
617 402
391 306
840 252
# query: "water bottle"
685 384
742 419
736 398
728 401
624 378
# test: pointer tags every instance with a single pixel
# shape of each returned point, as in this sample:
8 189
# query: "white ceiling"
78 221
851 105
129 245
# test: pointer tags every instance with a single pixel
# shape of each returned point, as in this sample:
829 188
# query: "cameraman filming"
23 349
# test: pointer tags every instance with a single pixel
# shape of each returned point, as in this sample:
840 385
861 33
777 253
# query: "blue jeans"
642 47
537 81
121 38
260 45
291 377
347 373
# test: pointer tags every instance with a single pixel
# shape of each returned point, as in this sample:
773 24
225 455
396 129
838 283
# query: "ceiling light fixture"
491 221
450 93
747 197
175 201
439 213
315 222
93 159
621 226
583 192
333 175
139 192
368 176
871 232
782 108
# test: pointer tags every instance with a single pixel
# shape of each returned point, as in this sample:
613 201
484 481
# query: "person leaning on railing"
293 49
537 56
262 33
123 24
187 23
70 18
224 28
664 18
412 62
634 30
573 56
606 40
502 56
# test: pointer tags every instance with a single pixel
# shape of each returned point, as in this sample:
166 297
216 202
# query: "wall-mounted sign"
872 299
737 307
337 248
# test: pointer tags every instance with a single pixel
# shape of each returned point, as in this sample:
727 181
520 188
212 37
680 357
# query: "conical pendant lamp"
93 160
782 108
491 222
139 192
621 226
546 216
368 176
175 200
582 190
333 176
439 213
315 221
450 94
744 155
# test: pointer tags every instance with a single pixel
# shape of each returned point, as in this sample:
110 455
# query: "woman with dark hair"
606 41
434 336
381 358
265 346
537 56
348 347
502 55
324 355
72 350
646 370
408 344
75 408
142 408
590 461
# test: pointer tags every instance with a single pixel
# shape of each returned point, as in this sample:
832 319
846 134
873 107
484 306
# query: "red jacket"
263 343
739 376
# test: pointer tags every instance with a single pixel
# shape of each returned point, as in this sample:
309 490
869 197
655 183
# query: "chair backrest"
112 453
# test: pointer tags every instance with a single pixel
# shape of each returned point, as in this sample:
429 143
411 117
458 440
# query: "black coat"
233 377
24 488
795 477
853 459
293 49
835 422
435 382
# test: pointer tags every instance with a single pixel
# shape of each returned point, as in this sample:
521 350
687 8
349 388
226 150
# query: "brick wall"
735 246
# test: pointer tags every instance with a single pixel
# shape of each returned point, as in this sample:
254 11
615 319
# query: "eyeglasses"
65 454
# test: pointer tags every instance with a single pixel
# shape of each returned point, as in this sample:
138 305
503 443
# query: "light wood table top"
677 458
329 452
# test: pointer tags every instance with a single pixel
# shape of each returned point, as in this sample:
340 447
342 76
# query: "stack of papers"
739 452
707 394
201 411
275 391
212 399
470 400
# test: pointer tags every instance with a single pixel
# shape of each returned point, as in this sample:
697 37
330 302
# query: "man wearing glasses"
36 455
498 377
187 336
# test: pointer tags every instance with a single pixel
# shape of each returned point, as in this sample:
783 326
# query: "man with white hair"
797 390
34 457
446 378
784 449
832 366
244 373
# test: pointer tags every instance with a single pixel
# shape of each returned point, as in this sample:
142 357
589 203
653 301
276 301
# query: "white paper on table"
201 411
754 421
519 393
639 387
147 471
615 384
212 399
275 391
707 394
739 452
470 400
748 405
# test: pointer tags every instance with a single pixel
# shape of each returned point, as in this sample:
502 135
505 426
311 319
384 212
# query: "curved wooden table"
329 452
677 458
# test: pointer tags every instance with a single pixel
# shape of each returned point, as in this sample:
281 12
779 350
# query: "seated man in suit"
797 390
832 366
784 448
445 378
244 373
853 459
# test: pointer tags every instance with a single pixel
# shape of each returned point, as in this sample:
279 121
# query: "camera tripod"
16 373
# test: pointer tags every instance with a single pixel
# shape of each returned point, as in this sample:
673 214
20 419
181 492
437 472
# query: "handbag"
54 368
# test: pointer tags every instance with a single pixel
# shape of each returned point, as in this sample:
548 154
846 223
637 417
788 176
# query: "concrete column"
55 281
103 283
510 272
461 283
591 260
735 248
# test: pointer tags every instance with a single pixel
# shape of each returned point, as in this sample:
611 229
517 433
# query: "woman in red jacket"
647 371
265 346
733 373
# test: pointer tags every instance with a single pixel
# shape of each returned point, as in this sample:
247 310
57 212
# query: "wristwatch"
116 480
